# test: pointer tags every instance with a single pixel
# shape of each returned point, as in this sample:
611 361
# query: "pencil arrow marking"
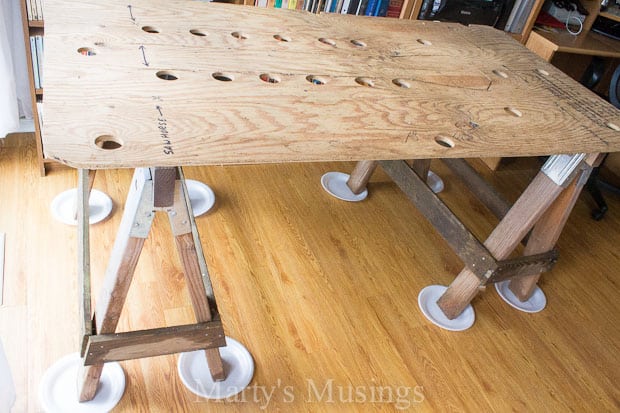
130 13
145 63
159 110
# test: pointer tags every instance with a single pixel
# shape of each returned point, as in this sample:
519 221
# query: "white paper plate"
201 196
537 302
238 366
335 183
434 182
58 390
63 207
427 301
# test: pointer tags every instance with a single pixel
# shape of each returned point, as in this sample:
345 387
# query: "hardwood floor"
324 295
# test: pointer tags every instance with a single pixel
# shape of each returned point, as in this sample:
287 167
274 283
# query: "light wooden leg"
134 229
503 240
546 233
361 175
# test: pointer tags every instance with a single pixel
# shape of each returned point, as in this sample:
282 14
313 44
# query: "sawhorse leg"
545 206
189 249
151 190
546 233
363 171
361 175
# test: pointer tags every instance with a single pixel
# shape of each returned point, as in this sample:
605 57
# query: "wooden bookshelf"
546 43
34 28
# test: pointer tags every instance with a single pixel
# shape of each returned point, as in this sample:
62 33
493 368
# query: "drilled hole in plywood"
150 29
613 126
239 35
223 77
282 38
165 75
86 51
327 41
401 83
514 112
316 80
269 78
543 72
108 142
358 43
365 81
425 42
500 73
198 32
444 141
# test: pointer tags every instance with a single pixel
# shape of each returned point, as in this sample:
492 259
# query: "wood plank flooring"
324 295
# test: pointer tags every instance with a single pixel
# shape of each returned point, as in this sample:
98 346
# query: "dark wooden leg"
478 186
421 168
190 253
361 175
134 229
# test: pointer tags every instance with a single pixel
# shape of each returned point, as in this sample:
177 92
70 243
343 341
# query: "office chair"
590 79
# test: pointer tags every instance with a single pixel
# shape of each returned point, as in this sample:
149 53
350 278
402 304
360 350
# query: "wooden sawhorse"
154 189
541 211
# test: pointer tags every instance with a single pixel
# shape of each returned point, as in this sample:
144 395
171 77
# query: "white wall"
14 87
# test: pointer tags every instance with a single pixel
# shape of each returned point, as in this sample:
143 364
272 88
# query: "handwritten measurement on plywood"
593 109
164 134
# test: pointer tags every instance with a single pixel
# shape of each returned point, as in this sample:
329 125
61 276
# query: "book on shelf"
370 7
34 9
361 8
39 46
35 64
394 8
345 7
36 50
29 12
353 7
503 19
39 6
519 15
391 8
383 7
40 115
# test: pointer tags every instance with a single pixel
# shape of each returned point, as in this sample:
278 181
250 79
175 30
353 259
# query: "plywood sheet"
392 89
